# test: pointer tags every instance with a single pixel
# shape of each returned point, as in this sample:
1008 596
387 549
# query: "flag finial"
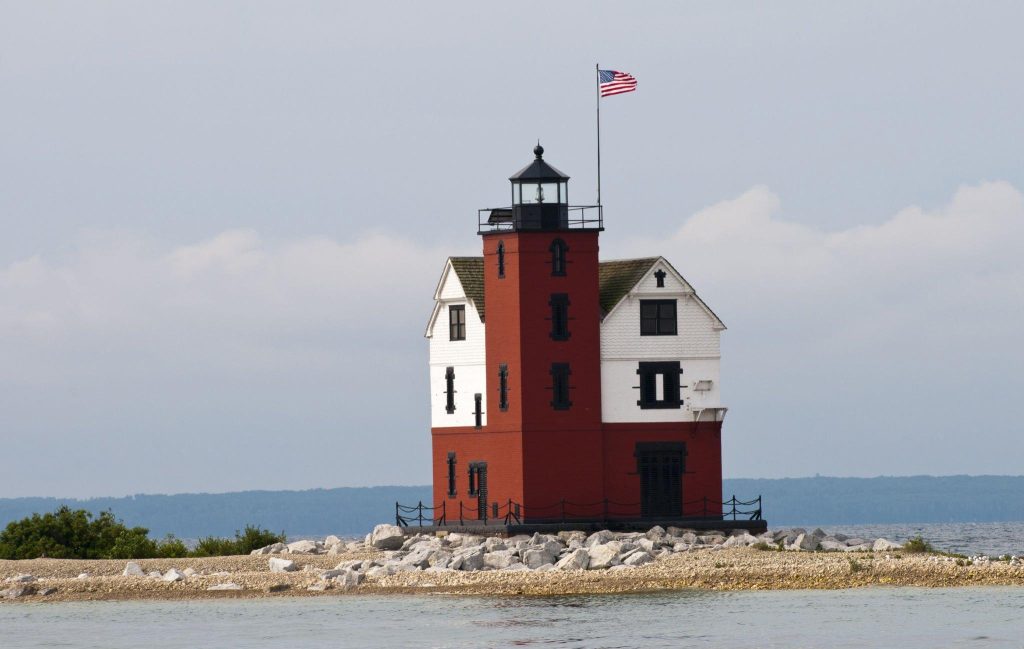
538 150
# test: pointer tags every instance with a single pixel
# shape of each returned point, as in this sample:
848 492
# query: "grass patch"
855 566
917 545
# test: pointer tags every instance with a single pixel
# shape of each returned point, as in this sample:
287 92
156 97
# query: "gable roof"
617 278
470 271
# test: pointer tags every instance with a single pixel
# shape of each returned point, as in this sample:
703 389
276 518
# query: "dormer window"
457 322
558 250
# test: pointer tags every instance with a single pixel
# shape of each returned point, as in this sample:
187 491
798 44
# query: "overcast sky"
222 224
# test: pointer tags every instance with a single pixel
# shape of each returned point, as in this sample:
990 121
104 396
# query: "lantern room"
540 196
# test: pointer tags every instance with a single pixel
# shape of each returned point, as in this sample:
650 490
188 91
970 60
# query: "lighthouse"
566 389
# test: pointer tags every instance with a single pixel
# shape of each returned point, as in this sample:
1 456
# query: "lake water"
993 539
908 618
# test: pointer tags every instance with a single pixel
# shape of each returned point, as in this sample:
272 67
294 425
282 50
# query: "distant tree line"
353 511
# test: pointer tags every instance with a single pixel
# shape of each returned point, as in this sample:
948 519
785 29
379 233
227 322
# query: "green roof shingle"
615 279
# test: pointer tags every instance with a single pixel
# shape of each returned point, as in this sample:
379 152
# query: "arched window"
501 260
558 250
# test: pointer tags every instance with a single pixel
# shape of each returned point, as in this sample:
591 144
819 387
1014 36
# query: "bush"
65 534
76 534
244 542
917 544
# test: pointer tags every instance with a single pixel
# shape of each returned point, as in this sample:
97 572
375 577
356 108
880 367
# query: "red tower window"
560 386
451 474
503 386
559 303
501 260
558 250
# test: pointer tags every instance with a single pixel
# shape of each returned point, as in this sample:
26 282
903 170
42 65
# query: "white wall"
696 347
467 356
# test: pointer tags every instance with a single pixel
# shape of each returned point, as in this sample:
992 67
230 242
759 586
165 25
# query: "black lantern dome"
540 196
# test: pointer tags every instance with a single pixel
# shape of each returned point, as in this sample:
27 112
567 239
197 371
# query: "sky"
222 224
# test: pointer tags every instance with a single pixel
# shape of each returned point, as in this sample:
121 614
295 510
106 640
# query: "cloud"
900 335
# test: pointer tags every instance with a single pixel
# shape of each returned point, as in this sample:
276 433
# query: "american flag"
613 82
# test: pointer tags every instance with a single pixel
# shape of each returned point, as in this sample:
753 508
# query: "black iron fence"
564 511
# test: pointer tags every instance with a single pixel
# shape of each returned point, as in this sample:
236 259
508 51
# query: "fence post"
444 513
398 517
734 506
461 522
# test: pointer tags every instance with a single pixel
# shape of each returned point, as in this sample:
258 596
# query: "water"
993 539
909 618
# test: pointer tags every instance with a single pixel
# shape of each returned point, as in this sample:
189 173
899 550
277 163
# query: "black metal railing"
564 511
503 219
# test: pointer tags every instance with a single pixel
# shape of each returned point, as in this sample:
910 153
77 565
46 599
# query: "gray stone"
646 544
638 558
712 539
500 560
803 542
884 545
536 557
132 569
656 533
387 537
494 544
857 541
174 575
48 590
439 558
419 556
818 533
318 587
18 590
226 586
282 565
576 560
189 572
469 559
832 546
273 548
155 574
304 546
352 564
332 541
861 547
604 555
598 538
20 579
347 580
740 541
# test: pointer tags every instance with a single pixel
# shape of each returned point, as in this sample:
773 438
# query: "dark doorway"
661 465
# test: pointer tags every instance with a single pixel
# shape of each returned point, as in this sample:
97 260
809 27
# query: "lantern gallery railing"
510 512
508 219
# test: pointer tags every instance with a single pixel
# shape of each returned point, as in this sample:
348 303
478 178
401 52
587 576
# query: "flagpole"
597 88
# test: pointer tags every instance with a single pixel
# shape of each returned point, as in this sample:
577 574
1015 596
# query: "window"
501 260
659 385
457 322
560 386
449 390
657 317
558 250
451 473
478 413
472 479
477 478
503 387
659 276
559 303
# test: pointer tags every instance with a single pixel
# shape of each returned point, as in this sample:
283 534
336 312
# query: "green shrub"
917 545
77 534
855 566
244 542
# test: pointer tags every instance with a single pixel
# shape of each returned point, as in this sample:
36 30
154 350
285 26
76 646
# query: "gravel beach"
720 569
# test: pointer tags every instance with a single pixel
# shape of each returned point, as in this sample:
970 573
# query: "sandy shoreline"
727 569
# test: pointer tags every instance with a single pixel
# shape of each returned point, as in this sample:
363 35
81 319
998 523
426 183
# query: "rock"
740 541
282 565
857 541
688 537
83 575
863 547
833 546
646 544
598 538
387 537
712 539
20 579
227 586
332 541
604 556
818 533
154 574
318 587
803 542
189 572
353 564
656 533
278 588
20 590
638 558
494 544
500 560
49 590
884 545
419 557
132 569
174 575
469 559
439 558
536 557
576 560
347 580
302 547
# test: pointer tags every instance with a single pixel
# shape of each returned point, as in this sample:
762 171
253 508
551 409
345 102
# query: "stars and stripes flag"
613 82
